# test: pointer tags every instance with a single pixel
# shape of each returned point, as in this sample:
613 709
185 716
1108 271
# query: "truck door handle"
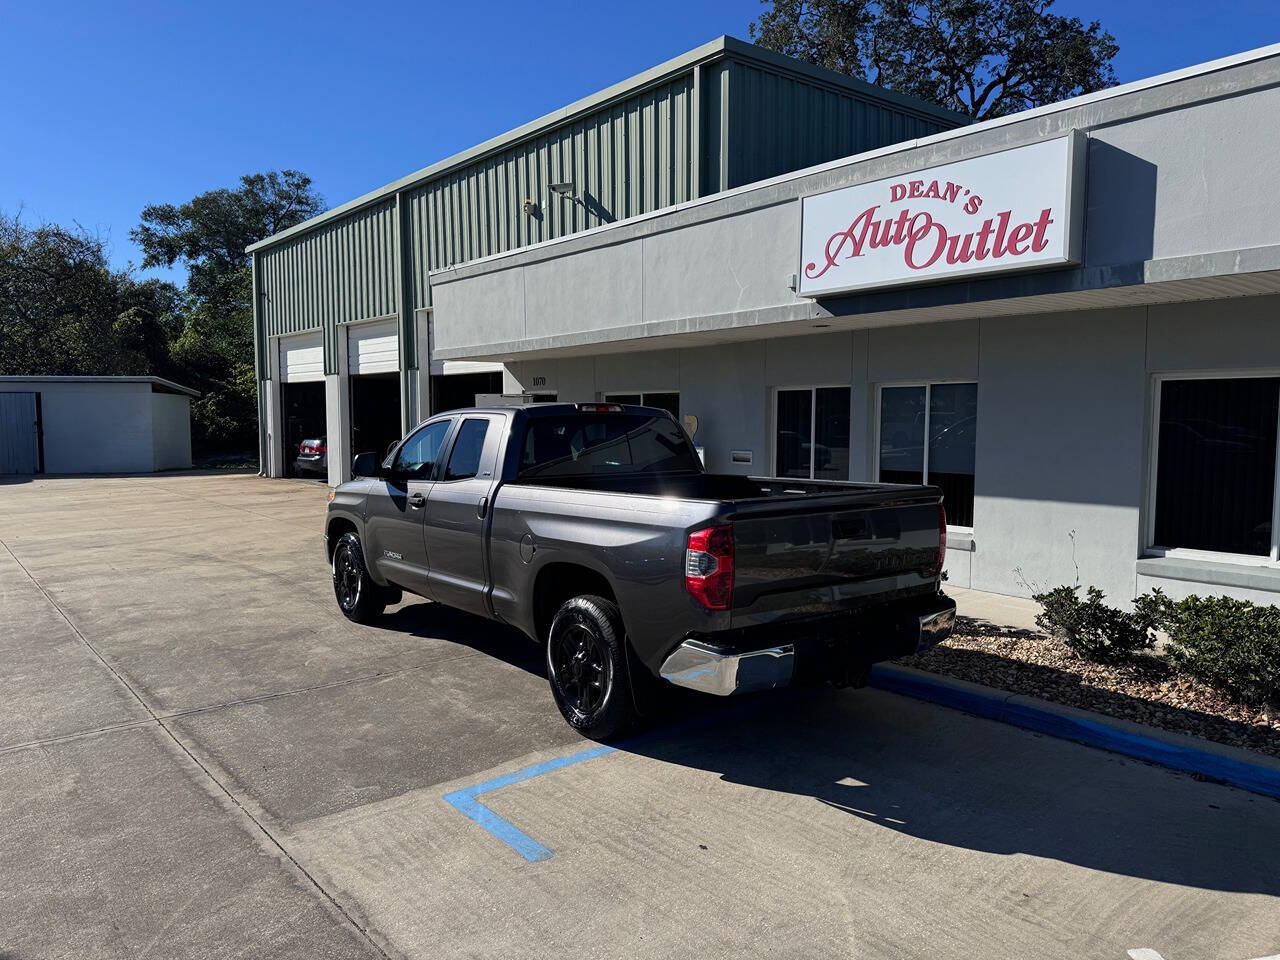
482 507
416 501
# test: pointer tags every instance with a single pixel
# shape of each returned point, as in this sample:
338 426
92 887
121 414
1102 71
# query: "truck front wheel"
586 666
359 598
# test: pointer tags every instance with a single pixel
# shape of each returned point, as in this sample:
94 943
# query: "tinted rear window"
585 444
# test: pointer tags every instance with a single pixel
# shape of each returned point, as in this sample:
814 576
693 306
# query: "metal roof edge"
1134 86
834 78
156 381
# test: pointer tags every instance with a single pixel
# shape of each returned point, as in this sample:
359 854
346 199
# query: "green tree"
65 312
208 235
983 58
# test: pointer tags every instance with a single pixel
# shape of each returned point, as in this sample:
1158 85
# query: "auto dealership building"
1066 318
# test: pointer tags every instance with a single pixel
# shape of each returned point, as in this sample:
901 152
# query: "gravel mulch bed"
1035 664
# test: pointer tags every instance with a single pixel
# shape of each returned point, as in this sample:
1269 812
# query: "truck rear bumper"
701 666
899 630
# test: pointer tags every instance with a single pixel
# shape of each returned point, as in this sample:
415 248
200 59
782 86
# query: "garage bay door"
19 433
302 358
373 347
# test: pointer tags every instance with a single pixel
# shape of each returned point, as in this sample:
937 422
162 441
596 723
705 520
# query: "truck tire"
359 598
587 667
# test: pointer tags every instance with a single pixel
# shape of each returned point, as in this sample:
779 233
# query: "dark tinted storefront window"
831 434
1215 464
953 434
811 435
902 413
794 432
946 414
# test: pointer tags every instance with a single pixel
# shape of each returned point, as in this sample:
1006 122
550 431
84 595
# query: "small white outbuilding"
94 425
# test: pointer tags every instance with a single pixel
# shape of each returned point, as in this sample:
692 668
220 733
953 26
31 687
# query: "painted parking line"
466 802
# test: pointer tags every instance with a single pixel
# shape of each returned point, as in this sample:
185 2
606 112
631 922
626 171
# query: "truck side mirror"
366 465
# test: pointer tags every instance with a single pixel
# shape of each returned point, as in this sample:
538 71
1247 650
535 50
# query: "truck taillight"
942 538
708 567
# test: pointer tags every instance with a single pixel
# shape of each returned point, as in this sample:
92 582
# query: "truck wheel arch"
559 581
336 527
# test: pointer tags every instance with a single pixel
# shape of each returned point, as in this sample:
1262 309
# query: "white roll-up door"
302 357
373 347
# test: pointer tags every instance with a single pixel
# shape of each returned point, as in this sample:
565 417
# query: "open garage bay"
202 758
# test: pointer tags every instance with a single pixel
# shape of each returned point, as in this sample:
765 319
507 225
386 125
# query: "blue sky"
108 107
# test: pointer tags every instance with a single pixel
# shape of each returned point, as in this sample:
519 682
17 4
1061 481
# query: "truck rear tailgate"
824 552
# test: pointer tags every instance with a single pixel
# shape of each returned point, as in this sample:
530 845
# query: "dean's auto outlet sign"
1013 210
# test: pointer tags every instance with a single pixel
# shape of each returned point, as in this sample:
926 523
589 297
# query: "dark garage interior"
459 390
375 412
303 418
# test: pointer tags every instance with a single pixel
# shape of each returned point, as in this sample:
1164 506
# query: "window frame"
875 438
813 389
446 445
1150 548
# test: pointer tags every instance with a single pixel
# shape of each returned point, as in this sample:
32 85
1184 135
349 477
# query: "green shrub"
1092 629
1232 645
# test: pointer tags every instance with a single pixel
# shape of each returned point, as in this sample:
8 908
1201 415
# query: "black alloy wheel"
581 668
587 667
359 598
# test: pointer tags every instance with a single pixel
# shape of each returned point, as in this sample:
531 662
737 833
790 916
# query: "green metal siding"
715 127
627 159
779 123
340 273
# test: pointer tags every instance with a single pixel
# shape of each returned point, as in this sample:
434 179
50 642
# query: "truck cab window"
578 445
417 457
464 460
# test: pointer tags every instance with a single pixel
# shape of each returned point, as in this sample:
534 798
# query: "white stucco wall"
1061 410
96 427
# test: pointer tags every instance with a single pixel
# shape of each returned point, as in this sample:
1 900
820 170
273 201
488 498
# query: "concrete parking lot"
201 758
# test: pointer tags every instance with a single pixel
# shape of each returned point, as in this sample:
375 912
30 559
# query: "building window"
1215 467
947 415
811 433
667 400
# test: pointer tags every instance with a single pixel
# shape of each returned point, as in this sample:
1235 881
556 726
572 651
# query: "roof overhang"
1230 273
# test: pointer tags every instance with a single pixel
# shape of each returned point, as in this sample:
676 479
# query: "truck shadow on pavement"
438 622
942 776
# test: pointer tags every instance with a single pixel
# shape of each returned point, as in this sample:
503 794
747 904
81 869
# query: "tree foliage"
65 312
983 58
208 235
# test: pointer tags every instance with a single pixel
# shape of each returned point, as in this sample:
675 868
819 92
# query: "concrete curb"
1232 765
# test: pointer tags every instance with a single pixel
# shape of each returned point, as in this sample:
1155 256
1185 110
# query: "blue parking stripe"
466 802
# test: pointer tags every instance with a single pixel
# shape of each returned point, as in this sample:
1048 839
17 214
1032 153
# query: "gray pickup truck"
594 529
